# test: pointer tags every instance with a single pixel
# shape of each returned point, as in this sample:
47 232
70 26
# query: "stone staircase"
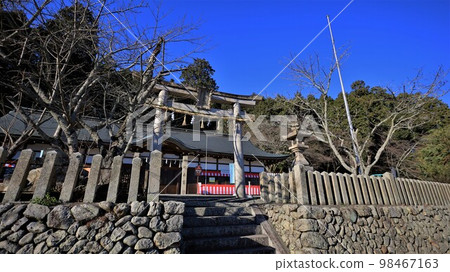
222 226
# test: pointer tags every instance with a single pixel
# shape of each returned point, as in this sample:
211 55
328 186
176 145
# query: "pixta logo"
148 128
308 127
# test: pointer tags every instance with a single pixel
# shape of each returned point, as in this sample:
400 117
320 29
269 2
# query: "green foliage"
273 106
369 106
47 200
434 157
199 75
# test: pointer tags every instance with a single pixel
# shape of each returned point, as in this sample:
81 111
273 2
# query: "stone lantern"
298 146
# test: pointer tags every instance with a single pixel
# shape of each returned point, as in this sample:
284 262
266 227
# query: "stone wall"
362 228
139 227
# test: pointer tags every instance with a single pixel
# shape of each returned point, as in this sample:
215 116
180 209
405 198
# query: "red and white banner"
225 189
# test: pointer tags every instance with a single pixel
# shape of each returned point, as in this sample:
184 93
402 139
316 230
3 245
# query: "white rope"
304 48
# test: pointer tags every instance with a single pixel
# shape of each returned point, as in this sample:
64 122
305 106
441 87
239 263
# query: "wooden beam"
223 99
211 113
218 97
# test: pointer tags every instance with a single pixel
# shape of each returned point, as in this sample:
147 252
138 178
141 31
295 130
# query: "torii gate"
203 109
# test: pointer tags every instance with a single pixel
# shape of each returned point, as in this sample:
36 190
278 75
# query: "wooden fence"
298 186
52 160
315 188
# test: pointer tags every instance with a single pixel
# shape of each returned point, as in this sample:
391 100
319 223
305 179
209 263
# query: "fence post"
439 193
155 176
3 154
446 193
415 191
370 189
387 183
328 188
404 190
351 190
433 193
426 195
271 186
135 179
93 178
358 193
184 173
391 182
292 195
47 176
278 189
337 194
412 192
300 181
285 188
420 193
263 182
343 188
400 190
116 171
320 188
384 193
376 186
71 178
312 188
364 189
19 176
442 191
429 192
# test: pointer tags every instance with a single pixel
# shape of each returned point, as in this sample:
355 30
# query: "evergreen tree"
434 157
199 75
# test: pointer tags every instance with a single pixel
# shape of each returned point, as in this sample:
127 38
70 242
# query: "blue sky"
251 41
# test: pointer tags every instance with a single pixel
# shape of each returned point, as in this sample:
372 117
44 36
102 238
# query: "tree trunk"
72 141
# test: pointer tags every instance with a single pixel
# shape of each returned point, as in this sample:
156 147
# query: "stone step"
217 211
211 200
203 221
208 245
252 250
220 231
222 203
215 204
200 198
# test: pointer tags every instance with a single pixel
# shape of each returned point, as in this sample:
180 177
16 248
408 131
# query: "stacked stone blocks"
139 227
361 228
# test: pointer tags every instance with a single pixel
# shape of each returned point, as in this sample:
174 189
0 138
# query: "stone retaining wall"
361 229
139 227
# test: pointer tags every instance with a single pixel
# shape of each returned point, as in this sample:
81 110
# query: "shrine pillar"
239 177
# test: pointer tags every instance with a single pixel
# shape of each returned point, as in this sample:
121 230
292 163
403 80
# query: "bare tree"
406 111
19 125
89 60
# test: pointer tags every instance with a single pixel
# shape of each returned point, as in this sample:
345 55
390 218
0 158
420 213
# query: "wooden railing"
315 188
